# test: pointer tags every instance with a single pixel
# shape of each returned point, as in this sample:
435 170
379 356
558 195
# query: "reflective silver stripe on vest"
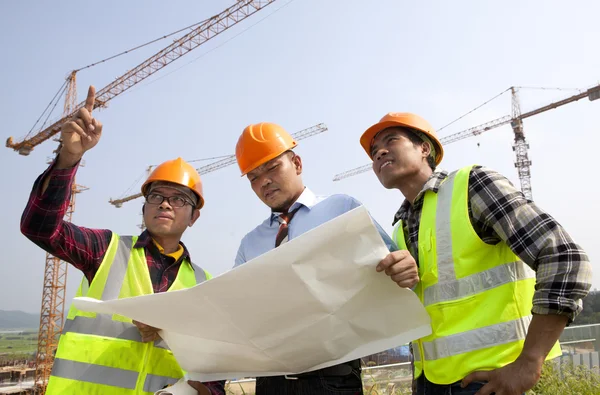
416 352
445 260
96 374
103 325
476 339
154 383
118 269
199 274
161 344
476 283
448 286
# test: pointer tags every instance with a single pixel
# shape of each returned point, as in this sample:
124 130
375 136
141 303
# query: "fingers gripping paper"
313 302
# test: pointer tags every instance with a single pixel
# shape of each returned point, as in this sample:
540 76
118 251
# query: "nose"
164 205
265 182
379 154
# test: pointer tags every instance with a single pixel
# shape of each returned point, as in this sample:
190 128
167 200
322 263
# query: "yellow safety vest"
103 353
479 296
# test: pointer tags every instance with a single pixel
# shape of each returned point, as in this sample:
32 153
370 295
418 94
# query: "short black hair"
415 138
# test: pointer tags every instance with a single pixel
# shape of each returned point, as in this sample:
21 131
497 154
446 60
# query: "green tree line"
591 309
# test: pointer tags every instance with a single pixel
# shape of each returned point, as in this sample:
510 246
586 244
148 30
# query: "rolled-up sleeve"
563 270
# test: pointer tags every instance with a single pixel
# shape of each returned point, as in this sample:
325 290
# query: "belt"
343 369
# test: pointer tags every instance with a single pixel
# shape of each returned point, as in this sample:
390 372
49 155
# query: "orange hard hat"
405 120
178 172
259 143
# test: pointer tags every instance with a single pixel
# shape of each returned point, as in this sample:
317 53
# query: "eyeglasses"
174 201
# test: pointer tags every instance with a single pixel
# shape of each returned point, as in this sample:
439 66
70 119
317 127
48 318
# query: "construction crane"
227 161
55 273
55 281
184 45
520 145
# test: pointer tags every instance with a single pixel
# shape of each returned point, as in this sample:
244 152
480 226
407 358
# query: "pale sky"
341 62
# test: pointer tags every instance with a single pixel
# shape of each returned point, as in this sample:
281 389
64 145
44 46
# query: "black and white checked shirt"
500 213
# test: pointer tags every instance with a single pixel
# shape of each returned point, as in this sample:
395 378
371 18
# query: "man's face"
395 156
278 183
165 219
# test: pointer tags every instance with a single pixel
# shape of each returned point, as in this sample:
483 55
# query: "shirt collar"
307 199
175 255
432 184
145 240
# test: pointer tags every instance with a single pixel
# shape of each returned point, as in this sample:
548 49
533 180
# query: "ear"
195 216
425 149
143 208
297 161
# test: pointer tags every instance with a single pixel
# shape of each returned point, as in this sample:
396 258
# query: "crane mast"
55 273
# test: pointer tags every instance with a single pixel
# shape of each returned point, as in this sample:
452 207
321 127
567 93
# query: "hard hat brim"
267 158
146 186
178 172
368 136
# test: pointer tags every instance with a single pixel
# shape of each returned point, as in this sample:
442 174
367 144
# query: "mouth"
270 193
385 164
164 217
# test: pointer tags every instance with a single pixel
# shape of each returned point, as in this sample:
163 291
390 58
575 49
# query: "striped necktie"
284 220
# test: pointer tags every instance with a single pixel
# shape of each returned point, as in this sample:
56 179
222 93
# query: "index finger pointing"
91 98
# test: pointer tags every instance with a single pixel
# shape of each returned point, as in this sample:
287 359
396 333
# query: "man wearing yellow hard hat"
104 354
488 259
265 156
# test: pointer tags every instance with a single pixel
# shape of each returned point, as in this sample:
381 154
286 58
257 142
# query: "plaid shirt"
500 213
42 223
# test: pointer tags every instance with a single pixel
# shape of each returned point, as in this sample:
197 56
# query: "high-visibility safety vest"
103 353
479 296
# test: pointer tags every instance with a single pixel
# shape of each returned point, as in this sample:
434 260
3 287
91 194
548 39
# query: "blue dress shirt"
314 211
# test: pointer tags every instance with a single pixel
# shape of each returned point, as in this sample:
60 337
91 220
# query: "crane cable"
144 173
475 109
141 46
56 97
503 92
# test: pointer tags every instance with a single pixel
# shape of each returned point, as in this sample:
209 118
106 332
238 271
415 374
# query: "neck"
413 184
169 244
293 200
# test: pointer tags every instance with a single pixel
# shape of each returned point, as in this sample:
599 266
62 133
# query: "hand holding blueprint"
313 302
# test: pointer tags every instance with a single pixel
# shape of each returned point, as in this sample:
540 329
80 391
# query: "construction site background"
389 372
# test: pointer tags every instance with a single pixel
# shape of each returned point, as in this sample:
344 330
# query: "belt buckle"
290 377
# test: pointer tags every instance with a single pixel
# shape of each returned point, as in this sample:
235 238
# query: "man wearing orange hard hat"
479 245
265 156
104 354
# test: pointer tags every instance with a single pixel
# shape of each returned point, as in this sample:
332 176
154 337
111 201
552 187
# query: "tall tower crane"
212 27
55 281
520 145
227 161
55 274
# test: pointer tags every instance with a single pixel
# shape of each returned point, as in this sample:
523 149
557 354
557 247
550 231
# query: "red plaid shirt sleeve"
42 222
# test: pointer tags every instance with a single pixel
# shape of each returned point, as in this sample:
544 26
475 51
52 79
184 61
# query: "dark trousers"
328 381
426 387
